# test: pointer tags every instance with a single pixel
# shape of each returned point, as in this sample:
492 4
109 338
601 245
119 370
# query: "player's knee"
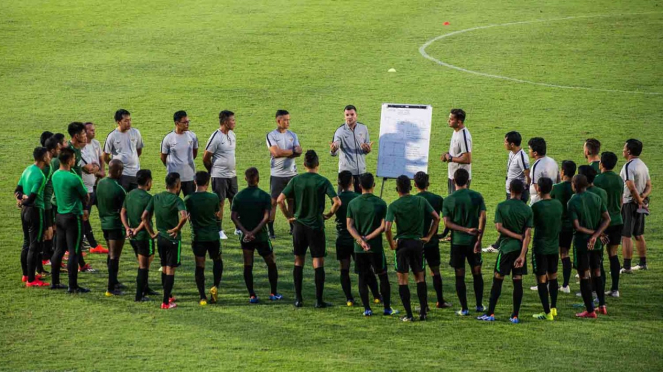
460 273
639 238
515 277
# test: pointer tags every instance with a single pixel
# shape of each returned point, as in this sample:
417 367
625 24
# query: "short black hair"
65 155
587 171
75 128
634 146
281 113
517 186
143 176
345 179
120 114
171 179
88 123
403 184
545 185
52 143
421 180
608 160
201 178
311 159
461 176
580 182
39 152
60 137
179 115
44 137
252 175
538 145
514 137
569 168
593 146
225 115
459 114
350 107
366 181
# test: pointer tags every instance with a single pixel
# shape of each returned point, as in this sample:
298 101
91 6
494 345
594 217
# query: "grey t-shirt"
282 167
516 166
543 167
179 148
90 154
125 146
634 170
222 146
352 157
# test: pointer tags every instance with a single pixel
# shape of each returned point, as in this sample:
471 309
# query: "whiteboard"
404 139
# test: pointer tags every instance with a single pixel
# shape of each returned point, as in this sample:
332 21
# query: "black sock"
543 296
495 293
270 226
385 291
363 290
437 285
614 272
627 263
553 288
217 270
298 276
478 288
168 288
48 250
461 290
345 284
112 273
319 283
372 283
600 289
643 261
404 291
586 291
24 261
200 281
422 293
517 297
248 279
141 282
273 275
566 271
163 279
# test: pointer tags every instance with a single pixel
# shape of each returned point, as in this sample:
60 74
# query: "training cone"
392 70
446 24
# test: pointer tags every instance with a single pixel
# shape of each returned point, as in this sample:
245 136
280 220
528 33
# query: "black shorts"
344 251
304 237
543 264
128 183
91 202
277 184
432 255
364 262
459 253
614 234
188 187
170 251
264 248
587 260
565 239
143 247
114 234
48 218
212 247
409 256
504 265
225 188
634 222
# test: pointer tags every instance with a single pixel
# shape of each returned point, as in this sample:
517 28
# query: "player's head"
115 168
568 168
181 120
461 177
632 147
53 146
173 183
403 185
227 119
40 154
123 119
579 183
201 179
421 180
456 118
608 161
537 147
67 157
144 179
252 176
516 187
90 131
311 160
61 138
77 133
588 172
512 140
592 147
44 137
345 180
545 185
367 182
350 112
283 119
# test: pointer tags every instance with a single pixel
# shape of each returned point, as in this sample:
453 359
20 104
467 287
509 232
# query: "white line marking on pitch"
422 51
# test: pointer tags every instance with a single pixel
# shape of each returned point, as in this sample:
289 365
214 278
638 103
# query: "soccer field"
582 69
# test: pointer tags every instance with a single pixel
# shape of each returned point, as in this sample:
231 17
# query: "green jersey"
309 190
436 202
110 198
166 207
203 208
587 208
78 166
32 181
408 212
251 205
367 212
547 225
69 191
135 203
613 185
601 193
563 192
515 216
596 165
463 207
48 187
343 236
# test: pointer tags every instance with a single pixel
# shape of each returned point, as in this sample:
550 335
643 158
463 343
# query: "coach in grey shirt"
126 144
179 148
353 141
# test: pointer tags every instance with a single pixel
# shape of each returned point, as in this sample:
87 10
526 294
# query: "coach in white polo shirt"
179 148
219 159
460 148
126 144
637 187
353 141
543 166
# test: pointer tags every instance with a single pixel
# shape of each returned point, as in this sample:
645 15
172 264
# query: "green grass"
64 61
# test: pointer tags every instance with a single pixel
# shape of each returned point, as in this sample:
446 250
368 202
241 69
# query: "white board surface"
404 139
